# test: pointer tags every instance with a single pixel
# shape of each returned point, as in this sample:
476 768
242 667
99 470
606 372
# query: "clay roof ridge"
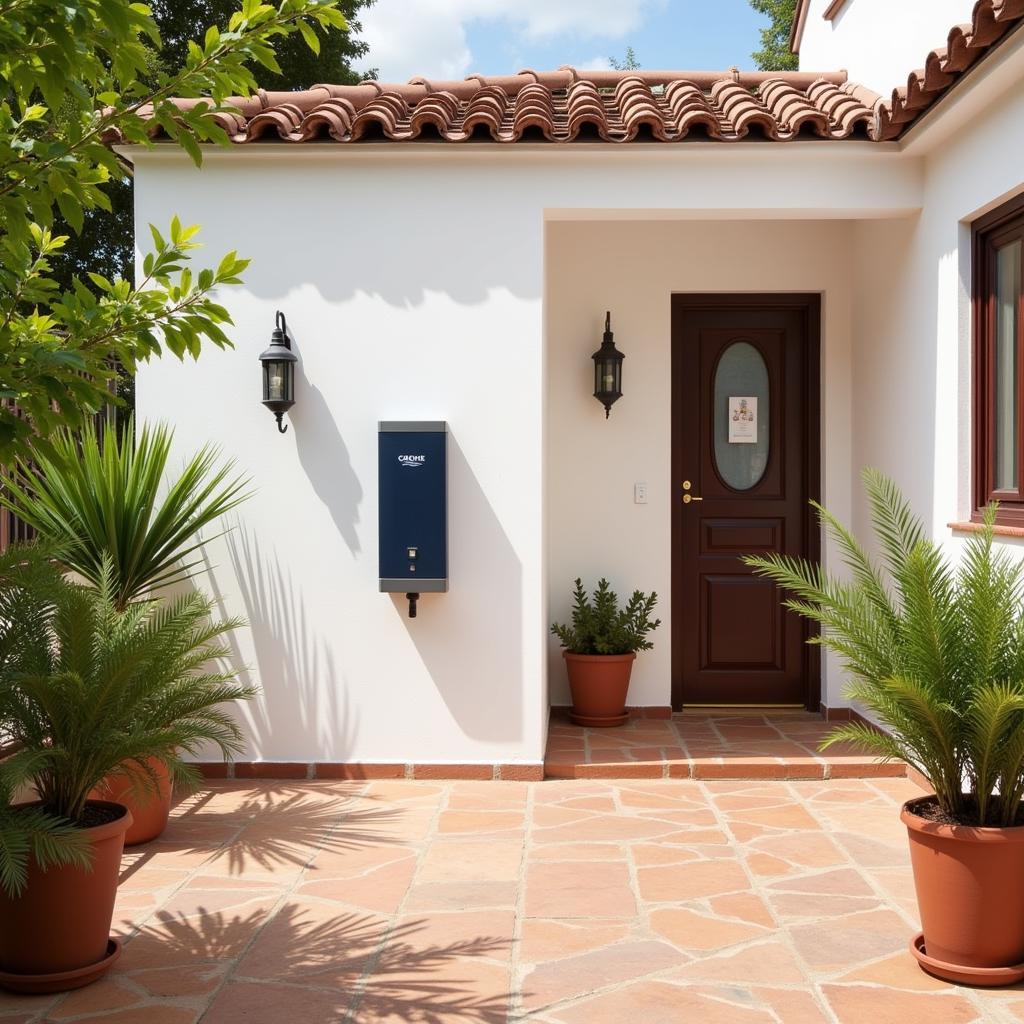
560 106
992 22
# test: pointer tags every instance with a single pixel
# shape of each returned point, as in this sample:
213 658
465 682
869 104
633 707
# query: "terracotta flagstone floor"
567 902
707 745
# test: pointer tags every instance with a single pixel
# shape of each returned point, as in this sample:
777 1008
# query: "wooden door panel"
741 536
731 604
733 642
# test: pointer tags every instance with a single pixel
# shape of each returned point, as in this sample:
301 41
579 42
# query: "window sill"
998 530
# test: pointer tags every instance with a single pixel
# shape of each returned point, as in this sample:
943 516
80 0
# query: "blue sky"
450 38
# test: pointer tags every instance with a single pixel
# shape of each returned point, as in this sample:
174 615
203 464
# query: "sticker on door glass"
742 419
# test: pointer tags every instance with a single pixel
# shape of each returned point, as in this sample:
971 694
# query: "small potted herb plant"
935 650
600 647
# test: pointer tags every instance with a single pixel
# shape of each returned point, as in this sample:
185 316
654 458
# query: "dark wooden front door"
745 454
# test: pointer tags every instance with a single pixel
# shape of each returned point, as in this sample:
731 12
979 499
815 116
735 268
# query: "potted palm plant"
600 646
84 688
935 651
105 498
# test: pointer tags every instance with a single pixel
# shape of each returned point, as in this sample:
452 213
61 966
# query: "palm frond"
29 833
90 687
97 498
898 530
935 652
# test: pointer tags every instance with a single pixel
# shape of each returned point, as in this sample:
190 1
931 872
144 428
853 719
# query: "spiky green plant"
935 650
599 626
98 497
86 688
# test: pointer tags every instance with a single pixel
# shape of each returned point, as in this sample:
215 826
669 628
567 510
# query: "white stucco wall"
594 526
879 42
414 285
912 349
385 290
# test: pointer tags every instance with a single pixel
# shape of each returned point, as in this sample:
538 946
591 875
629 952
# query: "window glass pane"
741 416
1005 454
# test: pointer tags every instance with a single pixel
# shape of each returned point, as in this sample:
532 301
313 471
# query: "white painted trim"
833 149
798 181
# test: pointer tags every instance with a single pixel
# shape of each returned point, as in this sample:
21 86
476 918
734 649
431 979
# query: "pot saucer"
981 977
598 721
62 981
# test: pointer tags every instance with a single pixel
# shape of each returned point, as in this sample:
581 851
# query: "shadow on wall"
295 669
345 252
470 638
325 458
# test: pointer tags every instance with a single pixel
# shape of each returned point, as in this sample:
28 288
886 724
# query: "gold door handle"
687 498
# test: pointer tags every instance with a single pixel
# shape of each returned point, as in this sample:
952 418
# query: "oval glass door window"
742 416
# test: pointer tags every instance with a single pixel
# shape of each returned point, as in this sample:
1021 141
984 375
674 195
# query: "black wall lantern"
279 372
608 369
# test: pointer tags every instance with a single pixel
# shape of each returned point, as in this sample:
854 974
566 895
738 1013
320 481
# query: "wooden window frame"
1000 226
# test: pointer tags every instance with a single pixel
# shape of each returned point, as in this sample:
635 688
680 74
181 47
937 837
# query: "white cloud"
410 37
428 37
594 64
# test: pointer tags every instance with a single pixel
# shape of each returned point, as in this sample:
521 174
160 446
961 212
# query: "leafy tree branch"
775 54
72 76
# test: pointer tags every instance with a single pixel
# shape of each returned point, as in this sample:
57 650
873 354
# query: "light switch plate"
640 494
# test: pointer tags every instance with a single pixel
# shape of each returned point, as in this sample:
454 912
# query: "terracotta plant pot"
599 684
55 936
150 810
970 891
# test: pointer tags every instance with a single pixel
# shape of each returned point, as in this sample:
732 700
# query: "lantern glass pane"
276 387
609 376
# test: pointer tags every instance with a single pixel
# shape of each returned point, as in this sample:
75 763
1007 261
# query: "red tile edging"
575 753
356 771
726 769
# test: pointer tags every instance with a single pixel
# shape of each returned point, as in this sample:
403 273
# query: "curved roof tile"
556 106
991 22
567 105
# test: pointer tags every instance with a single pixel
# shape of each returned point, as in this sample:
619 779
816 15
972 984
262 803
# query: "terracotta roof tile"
567 105
560 106
991 22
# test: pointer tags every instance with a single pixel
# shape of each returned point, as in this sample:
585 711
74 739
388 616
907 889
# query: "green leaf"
310 36
71 209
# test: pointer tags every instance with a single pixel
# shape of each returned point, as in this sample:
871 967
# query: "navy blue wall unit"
413 507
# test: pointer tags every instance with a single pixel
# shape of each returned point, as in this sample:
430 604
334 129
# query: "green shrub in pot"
111 500
934 648
600 645
84 688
